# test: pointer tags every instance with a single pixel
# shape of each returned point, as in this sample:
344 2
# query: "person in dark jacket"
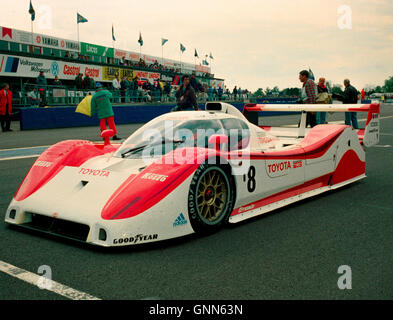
79 81
185 96
350 96
194 83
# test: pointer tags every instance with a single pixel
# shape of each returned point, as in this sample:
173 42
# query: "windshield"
160 137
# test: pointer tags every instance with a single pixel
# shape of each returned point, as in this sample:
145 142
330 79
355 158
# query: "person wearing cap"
185 96
101 104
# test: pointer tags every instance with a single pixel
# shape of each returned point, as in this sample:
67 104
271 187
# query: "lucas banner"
92 49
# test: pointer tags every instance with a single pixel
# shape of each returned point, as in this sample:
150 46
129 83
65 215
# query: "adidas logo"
180 220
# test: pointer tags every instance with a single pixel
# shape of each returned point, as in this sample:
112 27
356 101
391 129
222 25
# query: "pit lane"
293 253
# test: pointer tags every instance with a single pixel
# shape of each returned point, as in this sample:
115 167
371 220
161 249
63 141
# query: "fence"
44 95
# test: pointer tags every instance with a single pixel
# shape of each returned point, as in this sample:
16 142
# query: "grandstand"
24 54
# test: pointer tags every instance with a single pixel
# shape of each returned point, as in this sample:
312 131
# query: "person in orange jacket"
5 107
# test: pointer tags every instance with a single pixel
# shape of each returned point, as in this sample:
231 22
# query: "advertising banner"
217 83
109 73
203 69
92 49
13 66
55 43
147 76
18 36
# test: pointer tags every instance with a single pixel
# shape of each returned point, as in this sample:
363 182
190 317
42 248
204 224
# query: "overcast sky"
255 43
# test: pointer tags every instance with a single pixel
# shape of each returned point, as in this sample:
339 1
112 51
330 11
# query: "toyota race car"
189 172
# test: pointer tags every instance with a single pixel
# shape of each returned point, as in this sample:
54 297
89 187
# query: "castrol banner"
14 66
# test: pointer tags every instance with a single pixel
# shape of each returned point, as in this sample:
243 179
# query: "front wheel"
210 199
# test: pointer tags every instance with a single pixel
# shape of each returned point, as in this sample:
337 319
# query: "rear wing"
368 136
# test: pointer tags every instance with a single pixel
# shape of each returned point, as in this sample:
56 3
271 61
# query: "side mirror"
217 140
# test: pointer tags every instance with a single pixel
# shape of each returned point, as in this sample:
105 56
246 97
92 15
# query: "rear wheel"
210 199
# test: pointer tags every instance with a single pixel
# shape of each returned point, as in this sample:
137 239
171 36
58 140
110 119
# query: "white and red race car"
187 172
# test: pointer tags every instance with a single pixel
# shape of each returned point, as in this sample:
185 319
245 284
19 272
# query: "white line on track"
55 287
20 157
21 148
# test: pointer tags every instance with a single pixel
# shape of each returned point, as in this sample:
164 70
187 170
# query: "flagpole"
32 34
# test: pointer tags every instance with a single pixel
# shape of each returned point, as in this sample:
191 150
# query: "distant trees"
337 89
276 92
388 87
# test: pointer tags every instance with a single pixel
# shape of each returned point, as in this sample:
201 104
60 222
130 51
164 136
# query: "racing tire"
210 198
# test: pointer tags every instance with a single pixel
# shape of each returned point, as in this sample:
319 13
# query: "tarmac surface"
293 253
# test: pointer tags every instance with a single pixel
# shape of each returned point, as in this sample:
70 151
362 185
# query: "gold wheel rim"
212 195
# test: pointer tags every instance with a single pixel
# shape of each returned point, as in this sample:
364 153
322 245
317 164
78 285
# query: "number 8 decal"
251 184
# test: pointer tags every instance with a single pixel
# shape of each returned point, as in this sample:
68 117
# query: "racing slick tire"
210 198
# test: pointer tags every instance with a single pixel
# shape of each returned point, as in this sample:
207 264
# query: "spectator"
33 98
41 80
215 93
86 82
5 107
78 81
309 96
101 104
92 83
350 96
157 91
193 83
234 92
57 82
185 96
116 87
210 93
219 92
321 116
124 86
41 85
167 88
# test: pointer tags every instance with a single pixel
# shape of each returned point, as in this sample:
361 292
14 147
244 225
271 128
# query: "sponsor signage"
92 49
278 168
12 66
109 73
40 40
203 69
217 84
147 76
166 78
